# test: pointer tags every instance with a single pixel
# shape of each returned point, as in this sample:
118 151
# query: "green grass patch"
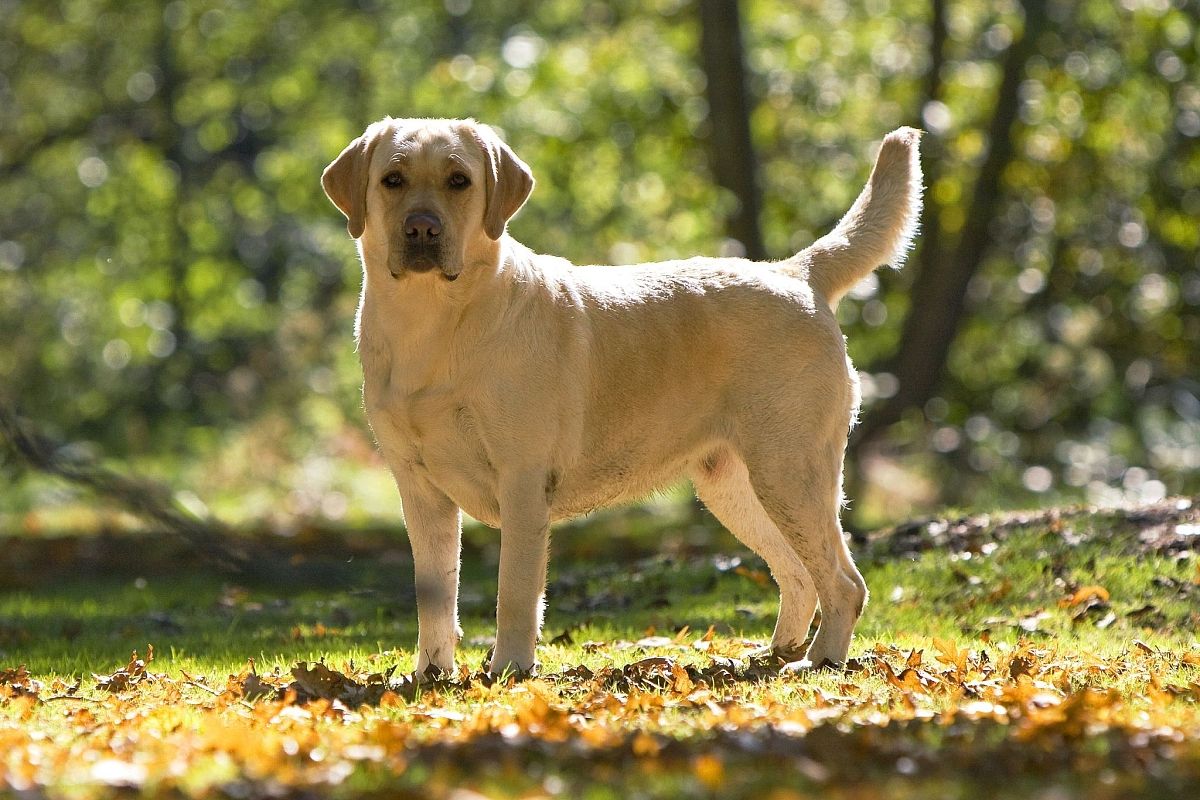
997 658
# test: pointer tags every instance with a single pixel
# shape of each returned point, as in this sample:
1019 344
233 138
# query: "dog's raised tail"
879 227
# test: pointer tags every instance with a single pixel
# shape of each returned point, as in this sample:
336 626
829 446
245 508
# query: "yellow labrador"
523 390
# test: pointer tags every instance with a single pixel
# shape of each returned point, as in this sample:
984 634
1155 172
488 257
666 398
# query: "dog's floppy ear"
508 181
345 179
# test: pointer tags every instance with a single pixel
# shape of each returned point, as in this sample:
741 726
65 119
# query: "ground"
1049 655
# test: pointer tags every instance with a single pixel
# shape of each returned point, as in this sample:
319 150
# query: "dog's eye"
458 181
393 180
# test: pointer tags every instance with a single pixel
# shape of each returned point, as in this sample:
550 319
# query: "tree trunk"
732 154
939 290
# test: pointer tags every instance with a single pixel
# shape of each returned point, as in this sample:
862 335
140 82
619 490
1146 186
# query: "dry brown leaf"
130 676
17 682
710 770
319 682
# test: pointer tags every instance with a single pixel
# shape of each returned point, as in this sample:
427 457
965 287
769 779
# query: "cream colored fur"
522 390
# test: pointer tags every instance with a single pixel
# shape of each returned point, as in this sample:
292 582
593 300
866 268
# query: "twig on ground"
147 499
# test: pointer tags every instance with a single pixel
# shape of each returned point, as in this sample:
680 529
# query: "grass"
1055 658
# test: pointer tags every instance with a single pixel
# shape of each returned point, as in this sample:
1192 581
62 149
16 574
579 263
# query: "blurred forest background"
177 294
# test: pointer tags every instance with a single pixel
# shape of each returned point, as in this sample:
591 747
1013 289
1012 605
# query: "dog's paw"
807 665
432 673
789 652
800 665
778 655
435 656
826 657
512 669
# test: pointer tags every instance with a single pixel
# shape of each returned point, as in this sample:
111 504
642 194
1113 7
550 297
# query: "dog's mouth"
420 259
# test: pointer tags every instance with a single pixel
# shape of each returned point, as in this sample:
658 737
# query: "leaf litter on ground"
686 713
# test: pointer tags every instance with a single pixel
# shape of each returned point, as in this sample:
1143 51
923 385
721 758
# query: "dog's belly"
456 464
608 482
435 437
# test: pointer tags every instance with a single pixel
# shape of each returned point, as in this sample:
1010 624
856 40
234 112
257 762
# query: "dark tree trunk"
732 154
938 33
939 290
171 140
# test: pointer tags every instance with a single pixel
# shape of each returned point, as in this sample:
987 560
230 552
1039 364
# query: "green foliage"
174 286
1084 319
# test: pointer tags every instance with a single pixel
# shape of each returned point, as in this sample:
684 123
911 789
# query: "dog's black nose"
422 227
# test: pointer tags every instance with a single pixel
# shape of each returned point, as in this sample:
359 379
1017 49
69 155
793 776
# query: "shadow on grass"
72 605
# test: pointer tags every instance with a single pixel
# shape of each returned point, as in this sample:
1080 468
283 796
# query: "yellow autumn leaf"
645 745
950 655
710 770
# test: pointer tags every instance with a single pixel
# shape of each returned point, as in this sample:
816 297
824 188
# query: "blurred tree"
175 288
731 149
944 272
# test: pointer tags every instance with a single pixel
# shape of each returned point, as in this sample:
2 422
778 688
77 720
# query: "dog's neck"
415 315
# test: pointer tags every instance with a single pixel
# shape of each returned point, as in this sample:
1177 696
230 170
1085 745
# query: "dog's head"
428 195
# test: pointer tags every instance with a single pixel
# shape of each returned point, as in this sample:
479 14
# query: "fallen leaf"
1085 594
950 655
130 676
319 682
710 770
566 637
1000 591
757 576
250 686
645 746
17 682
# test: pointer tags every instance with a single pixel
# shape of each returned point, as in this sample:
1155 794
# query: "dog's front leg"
524 546
435 532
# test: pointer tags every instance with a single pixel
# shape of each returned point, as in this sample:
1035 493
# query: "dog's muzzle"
422 242
422 245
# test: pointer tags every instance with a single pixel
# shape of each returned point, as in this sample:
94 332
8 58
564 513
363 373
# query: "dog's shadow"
77 608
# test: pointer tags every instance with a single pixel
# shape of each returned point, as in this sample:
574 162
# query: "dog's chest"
434 434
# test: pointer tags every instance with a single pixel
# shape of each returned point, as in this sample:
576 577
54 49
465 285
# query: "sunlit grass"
1010 611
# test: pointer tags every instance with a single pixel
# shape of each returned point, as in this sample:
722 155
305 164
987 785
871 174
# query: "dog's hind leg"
723 484
799 486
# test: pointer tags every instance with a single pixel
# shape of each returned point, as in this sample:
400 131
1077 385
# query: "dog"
522 390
